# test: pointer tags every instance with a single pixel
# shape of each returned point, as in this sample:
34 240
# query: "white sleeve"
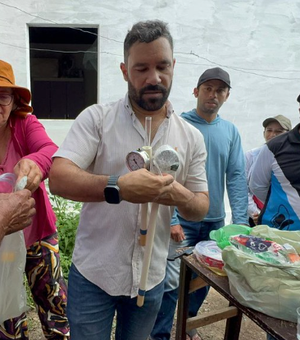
250 157
252 207
83 139
261 171
248 163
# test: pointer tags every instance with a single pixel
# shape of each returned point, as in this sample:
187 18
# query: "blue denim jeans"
164 321
91 311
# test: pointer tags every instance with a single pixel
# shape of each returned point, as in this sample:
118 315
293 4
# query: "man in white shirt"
90 167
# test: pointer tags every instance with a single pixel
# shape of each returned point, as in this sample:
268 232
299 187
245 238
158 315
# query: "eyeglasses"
6 99
276 132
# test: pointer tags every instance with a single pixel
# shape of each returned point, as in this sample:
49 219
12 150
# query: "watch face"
138 160
112 195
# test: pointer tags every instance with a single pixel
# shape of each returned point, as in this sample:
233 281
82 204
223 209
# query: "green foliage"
30 301
67 215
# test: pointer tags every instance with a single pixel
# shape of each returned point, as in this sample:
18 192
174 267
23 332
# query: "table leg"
233 327
183 301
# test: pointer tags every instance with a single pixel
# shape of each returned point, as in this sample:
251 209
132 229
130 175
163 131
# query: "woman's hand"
27 167
16 212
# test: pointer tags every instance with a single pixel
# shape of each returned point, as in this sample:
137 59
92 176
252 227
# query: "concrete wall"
256 41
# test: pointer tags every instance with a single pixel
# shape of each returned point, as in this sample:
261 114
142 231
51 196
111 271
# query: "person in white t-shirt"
90 167
273 126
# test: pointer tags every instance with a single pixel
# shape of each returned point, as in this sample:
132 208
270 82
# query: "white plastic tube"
147 254
144 207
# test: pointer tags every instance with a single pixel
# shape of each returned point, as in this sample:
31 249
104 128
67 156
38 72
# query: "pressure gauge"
166 159
138 159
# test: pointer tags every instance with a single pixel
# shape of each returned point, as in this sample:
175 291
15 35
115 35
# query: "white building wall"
256 41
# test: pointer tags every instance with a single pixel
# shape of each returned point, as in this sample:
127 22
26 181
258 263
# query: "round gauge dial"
166 159
138 160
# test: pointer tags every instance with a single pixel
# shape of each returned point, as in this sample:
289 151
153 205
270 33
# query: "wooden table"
279 329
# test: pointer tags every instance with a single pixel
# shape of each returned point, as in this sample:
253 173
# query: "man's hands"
16 211
143 186
177 233
66 179
27 167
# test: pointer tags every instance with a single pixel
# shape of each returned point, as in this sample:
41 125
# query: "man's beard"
210 111
151 104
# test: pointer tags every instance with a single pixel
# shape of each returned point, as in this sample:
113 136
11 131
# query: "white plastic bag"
268 288
12 264
210 255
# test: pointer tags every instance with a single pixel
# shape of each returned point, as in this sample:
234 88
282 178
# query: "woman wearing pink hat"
26 150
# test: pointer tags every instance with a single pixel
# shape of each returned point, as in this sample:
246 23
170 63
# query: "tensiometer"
138 159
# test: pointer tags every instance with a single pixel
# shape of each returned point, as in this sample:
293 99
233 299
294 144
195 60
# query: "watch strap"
113 180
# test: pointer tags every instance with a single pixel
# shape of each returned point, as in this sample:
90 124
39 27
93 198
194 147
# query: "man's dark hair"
146 32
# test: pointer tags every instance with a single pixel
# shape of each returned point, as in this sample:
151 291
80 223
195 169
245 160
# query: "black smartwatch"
112 191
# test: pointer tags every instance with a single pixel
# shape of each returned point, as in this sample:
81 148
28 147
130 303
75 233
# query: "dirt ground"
214 301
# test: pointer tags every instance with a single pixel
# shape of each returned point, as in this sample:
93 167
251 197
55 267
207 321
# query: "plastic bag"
209 254
12 264
269 288
222 235
265 250
279 236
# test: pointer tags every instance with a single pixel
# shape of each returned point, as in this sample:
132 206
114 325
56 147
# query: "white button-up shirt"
107 251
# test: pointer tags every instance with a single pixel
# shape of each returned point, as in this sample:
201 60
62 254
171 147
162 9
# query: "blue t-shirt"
225 166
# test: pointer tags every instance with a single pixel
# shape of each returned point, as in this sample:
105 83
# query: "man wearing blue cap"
225 165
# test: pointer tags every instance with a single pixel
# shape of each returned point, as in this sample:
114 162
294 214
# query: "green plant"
30 302
67 218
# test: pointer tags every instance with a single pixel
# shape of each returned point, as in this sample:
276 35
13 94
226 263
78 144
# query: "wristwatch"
112 191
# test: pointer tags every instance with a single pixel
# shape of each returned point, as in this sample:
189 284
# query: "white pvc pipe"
147 254
143 228
144 207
